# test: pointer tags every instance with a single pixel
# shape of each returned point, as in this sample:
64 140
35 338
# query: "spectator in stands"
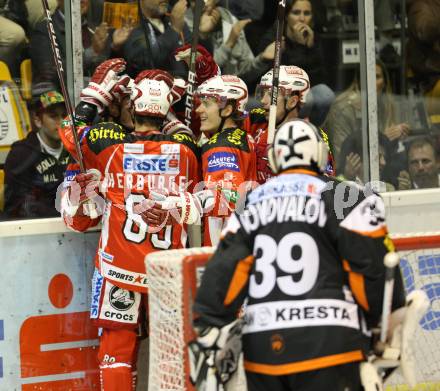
13 28
424 52
97 44
228 41
351 167
345 116
35 166
152 44
302 47
36 12
244 9
423 166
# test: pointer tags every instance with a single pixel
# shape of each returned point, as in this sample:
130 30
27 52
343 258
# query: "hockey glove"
186 208
82 188
214 356
173 125
399 350
153 214
206 67
104 79
123 88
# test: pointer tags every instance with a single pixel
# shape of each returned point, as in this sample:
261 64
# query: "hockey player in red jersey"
294 85
311 273
130 166
228 156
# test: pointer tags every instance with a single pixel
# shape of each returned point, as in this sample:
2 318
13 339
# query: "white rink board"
33 252
31 262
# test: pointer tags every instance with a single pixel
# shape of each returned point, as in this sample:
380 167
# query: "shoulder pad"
257 116
231 138
185 139
104 135
326 139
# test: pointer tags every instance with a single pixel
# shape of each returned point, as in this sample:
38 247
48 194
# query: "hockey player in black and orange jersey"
130 165
294 85
311 272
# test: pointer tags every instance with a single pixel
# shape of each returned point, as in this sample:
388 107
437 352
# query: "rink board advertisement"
46 339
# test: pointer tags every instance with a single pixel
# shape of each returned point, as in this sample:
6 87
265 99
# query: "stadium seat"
26 79
4 72
2 189
14 116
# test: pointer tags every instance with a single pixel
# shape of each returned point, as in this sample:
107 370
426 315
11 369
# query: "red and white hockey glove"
185 208
178 90
174 125
106 76
123 88
82 189
206 67
154 215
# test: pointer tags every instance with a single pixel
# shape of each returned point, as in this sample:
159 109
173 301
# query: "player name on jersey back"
294 198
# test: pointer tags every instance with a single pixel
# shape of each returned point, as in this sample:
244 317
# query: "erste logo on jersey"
223 161
151 164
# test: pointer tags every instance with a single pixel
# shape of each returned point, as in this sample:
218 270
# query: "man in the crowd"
35 166
152 44
423 166
97 41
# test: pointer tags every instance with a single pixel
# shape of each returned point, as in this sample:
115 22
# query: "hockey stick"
60 71
90 207
276 70
189 103
194 231
391 260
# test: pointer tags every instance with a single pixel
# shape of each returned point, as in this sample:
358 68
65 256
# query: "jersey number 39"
296 254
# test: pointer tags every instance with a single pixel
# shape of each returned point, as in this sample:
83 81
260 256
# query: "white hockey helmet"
151 98
291 79
225 88
298 143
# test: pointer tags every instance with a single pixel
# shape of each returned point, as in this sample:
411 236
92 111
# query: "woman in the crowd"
302 47
351 160
345 118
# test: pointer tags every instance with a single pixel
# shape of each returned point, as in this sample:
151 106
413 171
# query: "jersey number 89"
139 235
296 253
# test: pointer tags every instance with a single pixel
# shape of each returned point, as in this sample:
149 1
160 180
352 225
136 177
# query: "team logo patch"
69 175
121 299
151 164
223 161
97 282
277 343
133 148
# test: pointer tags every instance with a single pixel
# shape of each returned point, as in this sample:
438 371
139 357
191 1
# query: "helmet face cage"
298 143
204 99
226 89
292 79
262 90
